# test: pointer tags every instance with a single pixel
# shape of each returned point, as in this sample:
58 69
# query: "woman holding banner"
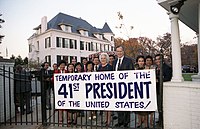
105 66
61 69
73 113
90 68
78 68
142 116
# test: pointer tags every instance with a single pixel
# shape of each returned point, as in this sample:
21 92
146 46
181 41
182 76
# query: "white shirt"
118 62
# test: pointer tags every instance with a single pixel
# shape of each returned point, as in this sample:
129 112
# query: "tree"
131 46
19 60
189 55
12 57
149 47
25 61
1 21
164 43
33 64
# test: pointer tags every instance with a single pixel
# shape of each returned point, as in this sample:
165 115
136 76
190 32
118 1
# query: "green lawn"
187 76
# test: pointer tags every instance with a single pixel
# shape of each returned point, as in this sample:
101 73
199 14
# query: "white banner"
133 90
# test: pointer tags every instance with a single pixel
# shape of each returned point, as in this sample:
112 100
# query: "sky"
147 17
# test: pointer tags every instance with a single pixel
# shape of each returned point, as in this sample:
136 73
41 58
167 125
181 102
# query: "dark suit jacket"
126 64
22 81
167 73
46 77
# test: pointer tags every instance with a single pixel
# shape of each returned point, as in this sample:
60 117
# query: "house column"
197 77
198 43
176 49
198 50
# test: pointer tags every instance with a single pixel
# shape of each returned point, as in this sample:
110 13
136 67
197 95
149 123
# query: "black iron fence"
28 99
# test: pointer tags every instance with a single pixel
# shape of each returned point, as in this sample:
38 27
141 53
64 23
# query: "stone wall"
181 105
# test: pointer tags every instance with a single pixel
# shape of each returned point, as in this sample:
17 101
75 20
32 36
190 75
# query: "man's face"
84 61
96 61
157 60
55 67
74 61
46 65
120 52
149 62
111 59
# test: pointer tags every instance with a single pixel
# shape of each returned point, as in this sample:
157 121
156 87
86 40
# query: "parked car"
186 68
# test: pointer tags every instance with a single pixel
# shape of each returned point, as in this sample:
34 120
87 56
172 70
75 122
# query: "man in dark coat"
22 80
46 78
122 63
167 75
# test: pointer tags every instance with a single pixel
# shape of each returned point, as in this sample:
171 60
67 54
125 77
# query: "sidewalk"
19 127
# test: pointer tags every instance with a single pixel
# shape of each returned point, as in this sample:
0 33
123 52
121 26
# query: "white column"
198 43
176 49
198 50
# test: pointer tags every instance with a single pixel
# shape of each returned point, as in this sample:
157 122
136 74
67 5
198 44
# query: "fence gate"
26 99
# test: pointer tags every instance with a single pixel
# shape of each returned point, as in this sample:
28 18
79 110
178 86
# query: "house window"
106 47
58 58
98 47
112 48
65 43
66 59
85 33
30 47
38 45
89 46
100 36
112 38
48 59
81 45
94 45
47 42
58 41
86 46
101 47
38 60
68 28
73 44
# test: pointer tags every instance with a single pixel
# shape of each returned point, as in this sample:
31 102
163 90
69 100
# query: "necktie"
119 64
96 68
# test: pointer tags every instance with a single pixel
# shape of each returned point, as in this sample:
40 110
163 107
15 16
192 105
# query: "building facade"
66 37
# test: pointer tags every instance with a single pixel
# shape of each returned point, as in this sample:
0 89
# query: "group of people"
105 62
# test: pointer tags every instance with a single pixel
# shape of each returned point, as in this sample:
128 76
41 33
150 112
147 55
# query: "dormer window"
99 36
37 29
86 33
83 31
65 27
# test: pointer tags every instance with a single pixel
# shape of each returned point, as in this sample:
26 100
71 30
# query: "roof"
76 23
106 29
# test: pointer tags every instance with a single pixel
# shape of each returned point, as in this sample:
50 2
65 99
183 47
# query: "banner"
133 90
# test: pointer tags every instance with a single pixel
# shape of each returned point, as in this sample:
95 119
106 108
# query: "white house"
67 37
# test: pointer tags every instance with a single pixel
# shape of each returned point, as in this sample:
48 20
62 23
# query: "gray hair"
106 55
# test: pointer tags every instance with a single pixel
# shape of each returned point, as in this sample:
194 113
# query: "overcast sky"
148 18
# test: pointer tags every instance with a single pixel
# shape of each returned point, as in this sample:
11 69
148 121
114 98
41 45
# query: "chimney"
44 24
